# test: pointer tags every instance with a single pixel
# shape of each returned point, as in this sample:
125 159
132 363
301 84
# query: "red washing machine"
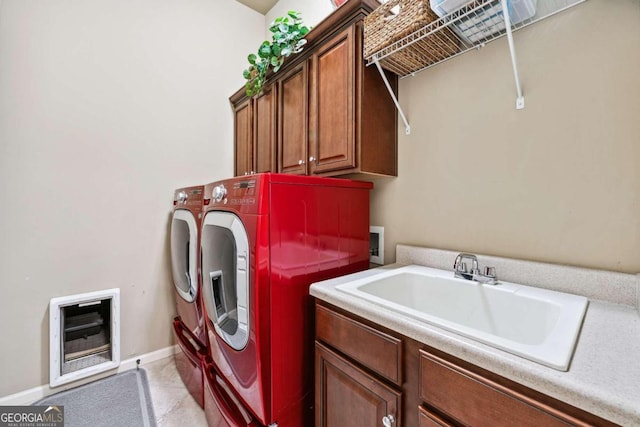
188 327
265 239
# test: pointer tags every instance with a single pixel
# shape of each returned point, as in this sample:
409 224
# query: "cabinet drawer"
429 419
474 400
377 351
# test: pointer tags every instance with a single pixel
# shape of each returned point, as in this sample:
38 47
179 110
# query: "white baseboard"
27 397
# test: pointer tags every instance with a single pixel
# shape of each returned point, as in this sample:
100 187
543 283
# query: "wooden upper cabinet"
292 121
264 141
243 134
333 115
255 132
332 125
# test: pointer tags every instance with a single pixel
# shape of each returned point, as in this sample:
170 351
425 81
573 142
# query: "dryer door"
225 276
184 260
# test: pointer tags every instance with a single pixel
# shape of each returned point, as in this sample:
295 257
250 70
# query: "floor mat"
121 400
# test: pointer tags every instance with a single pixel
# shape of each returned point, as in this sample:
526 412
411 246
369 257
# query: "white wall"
556 182
312 12
105 108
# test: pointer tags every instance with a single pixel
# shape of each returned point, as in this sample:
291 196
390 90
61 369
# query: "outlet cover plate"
379 258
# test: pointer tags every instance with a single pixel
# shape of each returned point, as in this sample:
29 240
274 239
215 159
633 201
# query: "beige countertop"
604 374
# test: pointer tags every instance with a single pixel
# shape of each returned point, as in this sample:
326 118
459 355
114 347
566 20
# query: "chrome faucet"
460 270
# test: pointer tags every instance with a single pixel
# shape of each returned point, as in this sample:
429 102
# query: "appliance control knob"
182 196
219 192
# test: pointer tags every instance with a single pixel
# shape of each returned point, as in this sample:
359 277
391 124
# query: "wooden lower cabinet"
356 387
346 396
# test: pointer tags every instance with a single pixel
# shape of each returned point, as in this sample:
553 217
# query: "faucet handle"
461 267
490 272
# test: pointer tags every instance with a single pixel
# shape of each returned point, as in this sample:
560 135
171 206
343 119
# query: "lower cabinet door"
346 396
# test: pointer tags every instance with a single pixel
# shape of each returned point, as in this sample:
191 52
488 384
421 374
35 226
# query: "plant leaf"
265 50
287 38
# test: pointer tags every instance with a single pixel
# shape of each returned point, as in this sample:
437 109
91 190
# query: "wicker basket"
383 27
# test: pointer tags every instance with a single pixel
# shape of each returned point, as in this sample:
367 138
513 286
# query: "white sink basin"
537 324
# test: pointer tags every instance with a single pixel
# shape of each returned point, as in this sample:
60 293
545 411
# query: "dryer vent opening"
85 335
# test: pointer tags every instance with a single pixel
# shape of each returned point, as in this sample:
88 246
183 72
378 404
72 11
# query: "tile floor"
172 403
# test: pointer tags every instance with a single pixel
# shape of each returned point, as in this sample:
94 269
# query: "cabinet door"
332 127
243 137
292 121
348 397
264 141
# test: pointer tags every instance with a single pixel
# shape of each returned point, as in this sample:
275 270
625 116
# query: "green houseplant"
287 38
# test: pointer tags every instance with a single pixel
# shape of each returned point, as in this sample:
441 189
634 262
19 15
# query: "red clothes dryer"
188 327
265 239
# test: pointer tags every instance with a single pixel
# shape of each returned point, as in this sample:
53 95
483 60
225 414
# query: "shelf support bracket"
512 50
407 128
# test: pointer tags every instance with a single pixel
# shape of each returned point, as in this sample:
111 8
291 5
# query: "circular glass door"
184 259
225 276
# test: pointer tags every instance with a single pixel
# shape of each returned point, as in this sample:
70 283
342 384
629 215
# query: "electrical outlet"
376 245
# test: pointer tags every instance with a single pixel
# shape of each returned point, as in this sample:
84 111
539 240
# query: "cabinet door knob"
301 162
312 159
388 420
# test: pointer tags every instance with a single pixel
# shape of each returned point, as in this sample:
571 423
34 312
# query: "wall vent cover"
84 335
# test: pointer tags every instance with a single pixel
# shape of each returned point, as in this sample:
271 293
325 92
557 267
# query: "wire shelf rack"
471 26
474 25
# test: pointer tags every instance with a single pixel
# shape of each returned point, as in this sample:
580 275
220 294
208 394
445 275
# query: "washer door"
184 260
225 278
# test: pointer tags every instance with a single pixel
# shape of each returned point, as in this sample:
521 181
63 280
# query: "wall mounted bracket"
512 51
448 28
407 127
